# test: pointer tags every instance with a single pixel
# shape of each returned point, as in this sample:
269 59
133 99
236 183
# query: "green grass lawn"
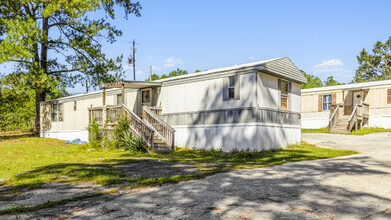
363 131
369 130
315 130
28 162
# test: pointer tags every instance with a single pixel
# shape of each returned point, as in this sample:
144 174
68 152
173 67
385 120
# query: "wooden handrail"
112 113
97 113
156 110
353 119
334 118
359 114
163 130
139 127
365 111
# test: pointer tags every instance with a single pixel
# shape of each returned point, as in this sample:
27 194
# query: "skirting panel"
66 135
314 122
380 121
241 137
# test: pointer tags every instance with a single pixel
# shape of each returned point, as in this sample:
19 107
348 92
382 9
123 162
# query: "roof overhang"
131 84
356 89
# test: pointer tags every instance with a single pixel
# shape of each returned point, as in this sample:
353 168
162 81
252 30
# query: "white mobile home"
253 106
347 107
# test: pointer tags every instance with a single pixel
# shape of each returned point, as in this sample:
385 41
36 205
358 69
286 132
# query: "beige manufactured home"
253 106
347 107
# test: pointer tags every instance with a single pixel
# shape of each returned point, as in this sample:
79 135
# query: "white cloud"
252 58
333 67
157 68
329 63
171 62
168 65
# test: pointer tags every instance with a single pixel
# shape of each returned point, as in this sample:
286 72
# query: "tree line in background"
177 72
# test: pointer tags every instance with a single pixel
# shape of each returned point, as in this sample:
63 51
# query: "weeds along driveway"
351 187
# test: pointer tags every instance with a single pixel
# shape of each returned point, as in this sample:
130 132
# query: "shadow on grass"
195 163
15 136
292 191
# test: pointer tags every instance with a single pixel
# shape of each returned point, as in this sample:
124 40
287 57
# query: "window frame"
231 87
150 97
284 96
57 112
328 103
119 99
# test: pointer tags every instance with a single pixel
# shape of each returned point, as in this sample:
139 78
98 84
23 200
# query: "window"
146 96
326 102
284 88
57 112
74 106
231 87
119 99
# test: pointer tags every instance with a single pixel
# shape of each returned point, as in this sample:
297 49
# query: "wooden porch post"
104 96
123 94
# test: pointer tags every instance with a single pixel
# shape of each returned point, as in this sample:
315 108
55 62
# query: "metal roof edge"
348 86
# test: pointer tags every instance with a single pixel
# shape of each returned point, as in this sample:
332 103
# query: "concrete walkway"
352 187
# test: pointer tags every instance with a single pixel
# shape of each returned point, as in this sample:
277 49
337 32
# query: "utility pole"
150 73
134 60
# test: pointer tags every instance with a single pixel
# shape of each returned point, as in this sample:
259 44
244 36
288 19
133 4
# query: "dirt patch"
60 191
48 192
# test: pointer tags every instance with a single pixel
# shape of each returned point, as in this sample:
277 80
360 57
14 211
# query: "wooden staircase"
156 133
339 123
160 143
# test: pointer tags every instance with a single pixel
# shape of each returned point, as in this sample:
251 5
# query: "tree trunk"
39 97
44 45
39 94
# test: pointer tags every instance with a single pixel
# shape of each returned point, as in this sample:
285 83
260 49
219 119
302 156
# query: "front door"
356 98
146 97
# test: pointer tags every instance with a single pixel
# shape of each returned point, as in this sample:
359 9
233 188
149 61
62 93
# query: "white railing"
140 128
163 130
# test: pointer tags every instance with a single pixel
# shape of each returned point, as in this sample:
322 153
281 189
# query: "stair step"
344 121
338 129
341 123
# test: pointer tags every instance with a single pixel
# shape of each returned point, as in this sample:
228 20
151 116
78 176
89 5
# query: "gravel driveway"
351 187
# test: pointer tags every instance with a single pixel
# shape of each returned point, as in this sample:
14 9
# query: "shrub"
119 130
138 144
94 135
133 143
126 139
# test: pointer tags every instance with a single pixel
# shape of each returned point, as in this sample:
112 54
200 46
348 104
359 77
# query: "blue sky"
320 37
